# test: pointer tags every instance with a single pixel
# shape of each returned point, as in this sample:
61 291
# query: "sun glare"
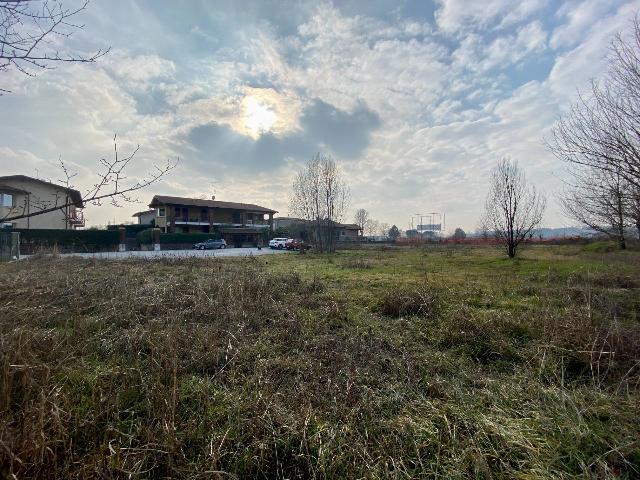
258 116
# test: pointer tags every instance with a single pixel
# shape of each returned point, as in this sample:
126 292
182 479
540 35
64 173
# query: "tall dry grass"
220 369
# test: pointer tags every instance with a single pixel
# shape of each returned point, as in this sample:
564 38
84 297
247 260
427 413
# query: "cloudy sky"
416 100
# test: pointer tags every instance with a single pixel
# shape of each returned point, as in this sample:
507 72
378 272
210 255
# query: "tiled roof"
197 202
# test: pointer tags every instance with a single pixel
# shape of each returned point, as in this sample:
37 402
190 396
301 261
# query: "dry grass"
297 367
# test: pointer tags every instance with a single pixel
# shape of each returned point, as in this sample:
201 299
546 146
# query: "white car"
277 243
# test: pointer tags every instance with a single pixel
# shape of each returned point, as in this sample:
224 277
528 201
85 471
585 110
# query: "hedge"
130 230
186 237
51 237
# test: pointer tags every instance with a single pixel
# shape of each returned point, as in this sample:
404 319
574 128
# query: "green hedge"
186 237
130 230
51 237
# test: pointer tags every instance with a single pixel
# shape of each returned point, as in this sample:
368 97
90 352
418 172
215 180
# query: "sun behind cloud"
259 116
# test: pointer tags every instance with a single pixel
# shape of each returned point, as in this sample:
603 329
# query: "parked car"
278 243
210 244
295 244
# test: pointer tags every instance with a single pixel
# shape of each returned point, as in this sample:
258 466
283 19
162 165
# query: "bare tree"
111 185
320 196
28 31
372 227
361 218
600 200
513 209
383 229
602 129
634 207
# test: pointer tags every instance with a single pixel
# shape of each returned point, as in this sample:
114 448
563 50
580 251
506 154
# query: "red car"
295 244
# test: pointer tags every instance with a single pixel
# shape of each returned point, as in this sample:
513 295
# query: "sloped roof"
139 214
350 226
75 195
197 202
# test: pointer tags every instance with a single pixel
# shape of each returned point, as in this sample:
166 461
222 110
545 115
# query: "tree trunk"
511 250
622 243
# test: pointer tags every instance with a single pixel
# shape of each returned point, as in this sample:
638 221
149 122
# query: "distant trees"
372 227
599 138
320 196
459 234
513 209
30 31
361 218
394 232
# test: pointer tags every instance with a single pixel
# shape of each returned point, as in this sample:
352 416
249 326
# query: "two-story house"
41 204
237 223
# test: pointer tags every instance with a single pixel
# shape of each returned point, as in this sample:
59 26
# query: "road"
228 252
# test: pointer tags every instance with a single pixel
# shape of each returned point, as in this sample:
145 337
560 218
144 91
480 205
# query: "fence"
9 246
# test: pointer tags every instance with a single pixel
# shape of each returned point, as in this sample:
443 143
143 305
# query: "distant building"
146 217
284 222
23 195
237 223
348 231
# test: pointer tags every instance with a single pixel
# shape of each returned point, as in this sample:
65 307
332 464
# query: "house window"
161 212
7 200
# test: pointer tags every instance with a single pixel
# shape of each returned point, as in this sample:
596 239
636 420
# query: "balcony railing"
76 218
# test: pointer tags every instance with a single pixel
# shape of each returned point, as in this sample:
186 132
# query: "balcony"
191 221
76 218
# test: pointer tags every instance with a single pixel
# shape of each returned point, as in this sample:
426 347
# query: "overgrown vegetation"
403 363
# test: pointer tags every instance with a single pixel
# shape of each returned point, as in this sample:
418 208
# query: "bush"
419 302
145 237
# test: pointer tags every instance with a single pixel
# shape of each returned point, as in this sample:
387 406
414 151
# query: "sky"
415 100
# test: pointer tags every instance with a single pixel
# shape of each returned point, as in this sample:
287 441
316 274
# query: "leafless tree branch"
27 32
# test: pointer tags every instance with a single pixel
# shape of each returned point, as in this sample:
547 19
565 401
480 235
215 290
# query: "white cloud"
453 16
448 109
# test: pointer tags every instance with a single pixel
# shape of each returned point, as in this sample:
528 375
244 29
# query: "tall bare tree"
28 33
111 185
513 209
361 218
320 196
602 129
634 207
600 200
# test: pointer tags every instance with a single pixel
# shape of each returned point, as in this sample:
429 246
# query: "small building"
45 205
237 223
348 232
146 217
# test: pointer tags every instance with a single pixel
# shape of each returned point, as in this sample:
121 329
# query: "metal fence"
9 246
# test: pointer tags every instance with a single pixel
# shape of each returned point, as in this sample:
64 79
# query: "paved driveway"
228 252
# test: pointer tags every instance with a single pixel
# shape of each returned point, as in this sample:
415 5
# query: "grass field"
448 362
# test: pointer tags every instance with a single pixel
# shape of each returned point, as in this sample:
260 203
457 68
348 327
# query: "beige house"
22 195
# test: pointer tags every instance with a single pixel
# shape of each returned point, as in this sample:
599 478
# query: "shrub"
145 237
419 302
